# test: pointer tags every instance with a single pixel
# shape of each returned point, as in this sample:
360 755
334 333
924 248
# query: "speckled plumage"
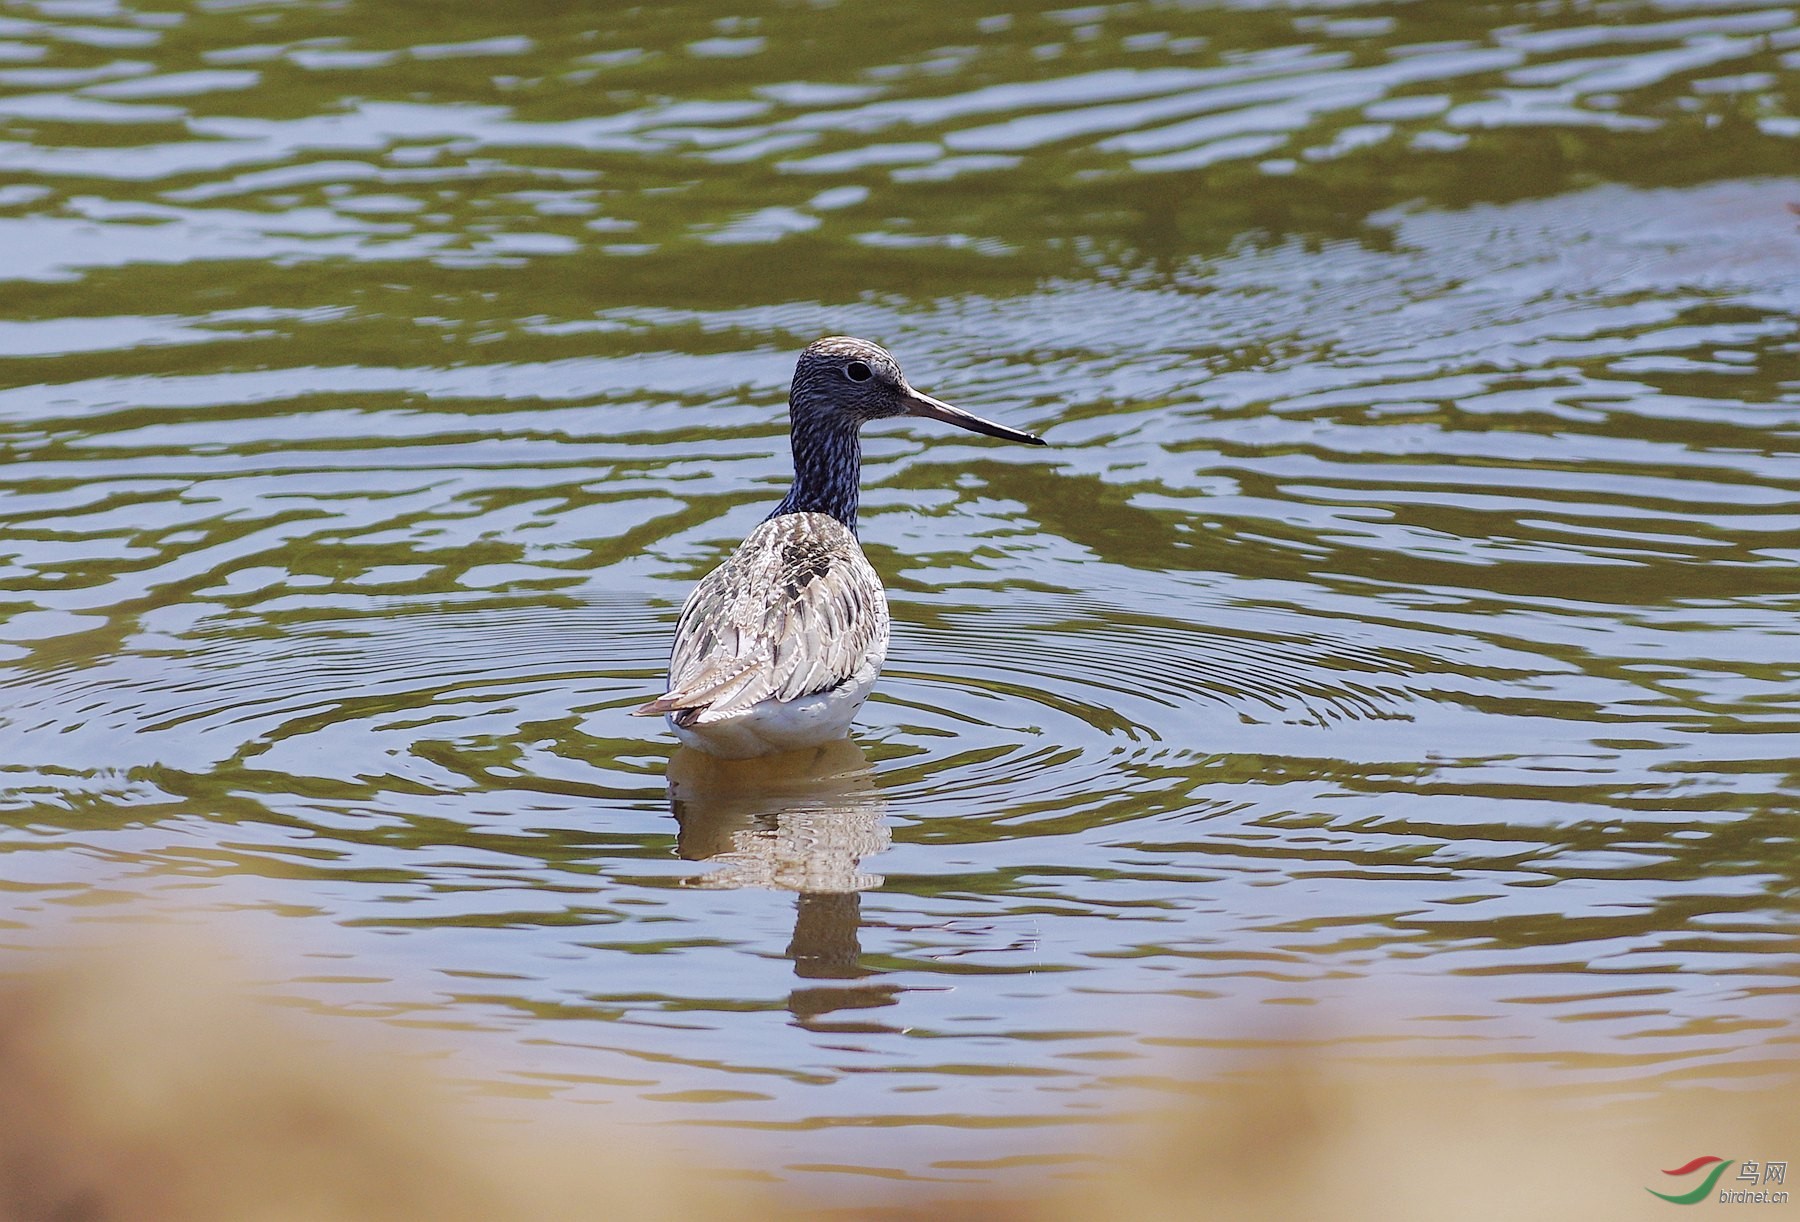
795 611
778 647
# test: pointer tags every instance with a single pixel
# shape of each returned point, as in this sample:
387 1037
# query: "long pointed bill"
924 405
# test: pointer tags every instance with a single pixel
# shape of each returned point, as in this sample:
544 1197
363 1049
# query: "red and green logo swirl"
1706 1185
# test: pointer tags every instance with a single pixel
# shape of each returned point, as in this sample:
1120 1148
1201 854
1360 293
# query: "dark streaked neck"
827 467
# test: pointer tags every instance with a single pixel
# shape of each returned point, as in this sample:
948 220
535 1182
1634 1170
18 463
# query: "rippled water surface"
1396 646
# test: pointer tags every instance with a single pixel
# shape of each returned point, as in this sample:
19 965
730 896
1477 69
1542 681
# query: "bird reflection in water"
802 822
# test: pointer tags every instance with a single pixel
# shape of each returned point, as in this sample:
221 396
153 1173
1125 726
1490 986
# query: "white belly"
773 726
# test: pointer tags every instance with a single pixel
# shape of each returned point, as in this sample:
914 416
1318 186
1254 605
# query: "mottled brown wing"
796 610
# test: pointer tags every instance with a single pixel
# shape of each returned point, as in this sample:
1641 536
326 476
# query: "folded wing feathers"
793 611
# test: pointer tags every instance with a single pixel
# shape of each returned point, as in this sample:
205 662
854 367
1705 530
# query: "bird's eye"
856 371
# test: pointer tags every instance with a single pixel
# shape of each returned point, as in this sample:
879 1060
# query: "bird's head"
851 379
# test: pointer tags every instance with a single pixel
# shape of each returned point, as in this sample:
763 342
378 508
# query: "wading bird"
778 647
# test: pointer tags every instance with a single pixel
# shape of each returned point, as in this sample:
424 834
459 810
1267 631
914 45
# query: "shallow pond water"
1395 650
